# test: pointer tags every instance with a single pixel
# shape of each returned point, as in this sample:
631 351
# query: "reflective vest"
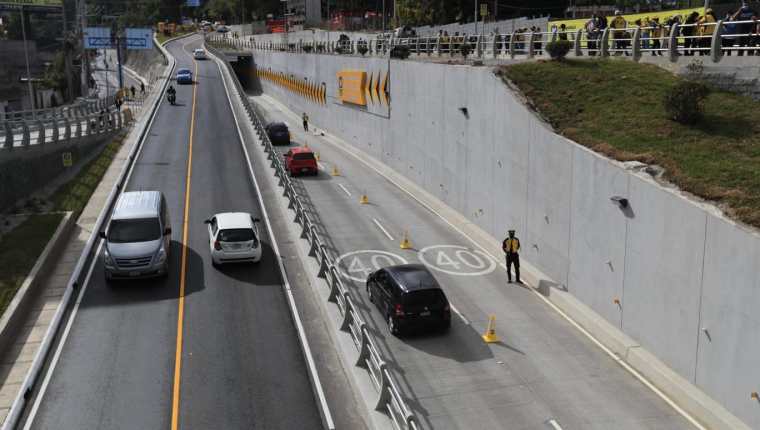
511 245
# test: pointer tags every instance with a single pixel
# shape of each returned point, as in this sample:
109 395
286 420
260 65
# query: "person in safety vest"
511 248
619 24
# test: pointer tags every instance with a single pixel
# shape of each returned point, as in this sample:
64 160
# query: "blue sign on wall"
193 3
139 38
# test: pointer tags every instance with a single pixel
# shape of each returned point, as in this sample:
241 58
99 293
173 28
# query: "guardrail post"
66 129
605 43
24 133
119 120
41 132
577 43
512 44
531 39
438 46
478 46
333 297
347 315
54 137
716 44
496 45
673 43
8 144
323 263
361 361
385 389
636 42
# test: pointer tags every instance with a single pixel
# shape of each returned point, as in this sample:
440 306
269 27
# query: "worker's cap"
617 12
708 10
510 231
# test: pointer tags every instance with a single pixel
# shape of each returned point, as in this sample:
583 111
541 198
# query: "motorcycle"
172 98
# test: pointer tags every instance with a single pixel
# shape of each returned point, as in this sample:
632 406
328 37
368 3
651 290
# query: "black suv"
278 133
408 295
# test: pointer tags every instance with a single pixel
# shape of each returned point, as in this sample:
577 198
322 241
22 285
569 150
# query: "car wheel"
392 328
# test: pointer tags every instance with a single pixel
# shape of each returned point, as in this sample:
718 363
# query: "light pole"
28 70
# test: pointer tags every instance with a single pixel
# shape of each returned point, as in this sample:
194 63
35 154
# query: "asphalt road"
241 364
544 374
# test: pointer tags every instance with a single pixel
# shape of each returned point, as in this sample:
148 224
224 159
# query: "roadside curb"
13 316
675 390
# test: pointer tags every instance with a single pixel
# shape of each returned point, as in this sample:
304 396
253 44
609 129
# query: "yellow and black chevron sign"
302 86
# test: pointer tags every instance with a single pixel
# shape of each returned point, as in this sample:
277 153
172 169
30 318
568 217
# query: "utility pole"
476 16
28 70
85 62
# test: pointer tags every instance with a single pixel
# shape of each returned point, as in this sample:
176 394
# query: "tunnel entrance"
243 68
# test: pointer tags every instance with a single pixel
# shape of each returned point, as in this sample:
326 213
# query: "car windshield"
424 297
134 230
236 235
183 72
303 156
278 128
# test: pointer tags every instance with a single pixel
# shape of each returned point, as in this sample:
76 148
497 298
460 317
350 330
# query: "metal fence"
81 108
24 133
389 399
715 40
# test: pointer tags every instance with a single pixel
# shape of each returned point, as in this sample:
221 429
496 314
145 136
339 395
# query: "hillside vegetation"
616 108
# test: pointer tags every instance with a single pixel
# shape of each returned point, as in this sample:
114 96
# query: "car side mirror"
255 219
168 231
102 235
207 221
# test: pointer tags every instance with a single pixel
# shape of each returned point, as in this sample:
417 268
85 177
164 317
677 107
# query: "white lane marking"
554 424
316 383
64 336
70 322
380 226
615 357
345 190
461 315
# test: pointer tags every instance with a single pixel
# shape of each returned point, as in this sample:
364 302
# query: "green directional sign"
67 159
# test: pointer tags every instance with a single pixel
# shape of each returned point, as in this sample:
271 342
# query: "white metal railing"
712 39
390 400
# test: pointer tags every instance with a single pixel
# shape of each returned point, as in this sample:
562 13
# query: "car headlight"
160 255
107 259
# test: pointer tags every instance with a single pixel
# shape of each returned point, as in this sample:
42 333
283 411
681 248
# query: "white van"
138 236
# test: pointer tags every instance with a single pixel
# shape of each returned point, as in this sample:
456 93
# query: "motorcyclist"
171 93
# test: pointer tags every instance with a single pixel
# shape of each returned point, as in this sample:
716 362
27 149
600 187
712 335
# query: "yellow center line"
183 268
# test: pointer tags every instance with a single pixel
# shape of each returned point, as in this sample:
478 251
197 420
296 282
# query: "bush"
684 102
307 48
400 52
362 49
558 49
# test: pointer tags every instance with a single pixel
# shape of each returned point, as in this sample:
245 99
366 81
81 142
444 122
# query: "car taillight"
399 310
217 245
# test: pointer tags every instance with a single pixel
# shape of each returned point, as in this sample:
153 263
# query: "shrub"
307 48
558 49
400 52
362 49
684 102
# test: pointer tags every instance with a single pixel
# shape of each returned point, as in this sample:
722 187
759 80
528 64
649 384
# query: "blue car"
184 76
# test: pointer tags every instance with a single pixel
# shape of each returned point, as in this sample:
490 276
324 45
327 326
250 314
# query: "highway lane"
241 364
543 373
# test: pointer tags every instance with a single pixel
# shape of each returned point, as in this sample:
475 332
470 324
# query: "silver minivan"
138 236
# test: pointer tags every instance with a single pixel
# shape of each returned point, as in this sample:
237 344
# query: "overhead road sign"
139 38
32 5
97 38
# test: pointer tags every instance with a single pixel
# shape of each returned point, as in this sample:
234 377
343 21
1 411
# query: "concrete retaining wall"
676 266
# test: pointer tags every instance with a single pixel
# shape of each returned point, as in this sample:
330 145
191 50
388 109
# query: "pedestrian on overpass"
305 122
133 91
511 248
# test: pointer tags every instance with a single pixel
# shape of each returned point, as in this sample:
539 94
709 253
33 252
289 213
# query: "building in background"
304 12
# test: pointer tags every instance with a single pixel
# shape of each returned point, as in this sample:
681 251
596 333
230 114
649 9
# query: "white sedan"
234 237
199 54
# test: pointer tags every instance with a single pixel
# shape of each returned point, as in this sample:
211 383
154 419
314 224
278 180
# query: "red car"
301 160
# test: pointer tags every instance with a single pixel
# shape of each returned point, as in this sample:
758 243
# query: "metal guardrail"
24 133
714 39
78 109
390 400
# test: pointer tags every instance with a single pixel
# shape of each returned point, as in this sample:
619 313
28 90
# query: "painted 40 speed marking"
357 265
456 260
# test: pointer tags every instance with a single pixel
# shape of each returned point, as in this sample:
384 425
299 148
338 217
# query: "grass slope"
615 107
20 248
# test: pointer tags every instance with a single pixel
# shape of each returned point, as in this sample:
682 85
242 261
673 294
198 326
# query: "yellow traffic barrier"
364 199
405 243
490 335
335 171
